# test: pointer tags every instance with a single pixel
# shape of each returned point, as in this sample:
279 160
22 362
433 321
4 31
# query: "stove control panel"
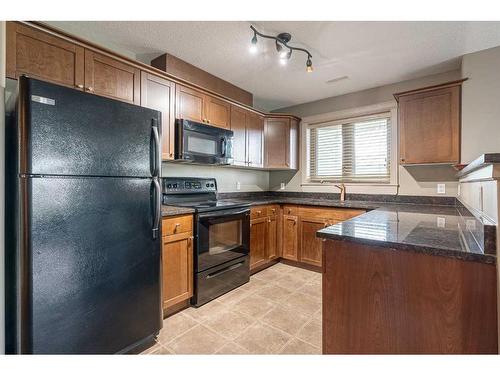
188 185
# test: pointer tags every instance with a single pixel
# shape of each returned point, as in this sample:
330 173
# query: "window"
356 150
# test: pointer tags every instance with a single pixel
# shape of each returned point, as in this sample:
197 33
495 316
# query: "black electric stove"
221 235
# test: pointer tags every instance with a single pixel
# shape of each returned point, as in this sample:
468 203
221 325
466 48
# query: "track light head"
253 46
309 65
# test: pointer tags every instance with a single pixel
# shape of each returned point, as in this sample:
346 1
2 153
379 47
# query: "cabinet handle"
177 225
80 86
208 121
91 89
171 154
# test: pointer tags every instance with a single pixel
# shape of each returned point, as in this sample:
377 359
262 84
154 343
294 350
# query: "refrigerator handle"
157 213
157 151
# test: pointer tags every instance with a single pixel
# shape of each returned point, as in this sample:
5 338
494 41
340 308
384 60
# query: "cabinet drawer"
176 225
345 214
257 212
290 210
329 213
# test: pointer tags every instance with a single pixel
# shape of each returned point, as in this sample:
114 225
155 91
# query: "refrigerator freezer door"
94 285
68 132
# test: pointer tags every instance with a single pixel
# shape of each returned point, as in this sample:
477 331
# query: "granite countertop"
175 210
434 230
443 230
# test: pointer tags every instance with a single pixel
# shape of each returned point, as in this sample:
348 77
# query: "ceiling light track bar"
282 41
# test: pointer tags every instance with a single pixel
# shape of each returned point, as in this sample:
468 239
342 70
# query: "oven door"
202 143
221 236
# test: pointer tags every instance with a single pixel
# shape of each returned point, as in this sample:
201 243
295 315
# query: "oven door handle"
219 214
224 270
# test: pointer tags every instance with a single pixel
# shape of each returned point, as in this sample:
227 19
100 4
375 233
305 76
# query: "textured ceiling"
370 54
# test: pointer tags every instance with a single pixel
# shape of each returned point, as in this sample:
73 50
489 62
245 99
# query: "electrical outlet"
441 188
238 185
458 190
441 222
282 186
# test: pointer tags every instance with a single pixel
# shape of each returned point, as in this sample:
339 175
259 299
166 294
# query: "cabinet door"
293 143
189 104
272 237
217 112
238 126
159 93
108 77
177 269
276 137
255 139
40 55
258 242
310 245
290 232
430 126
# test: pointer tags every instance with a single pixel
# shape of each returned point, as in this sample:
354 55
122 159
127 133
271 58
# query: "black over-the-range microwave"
200 143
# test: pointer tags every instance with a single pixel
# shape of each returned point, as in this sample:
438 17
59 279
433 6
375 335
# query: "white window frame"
352 187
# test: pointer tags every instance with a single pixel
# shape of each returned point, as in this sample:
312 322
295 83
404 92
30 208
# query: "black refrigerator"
82 222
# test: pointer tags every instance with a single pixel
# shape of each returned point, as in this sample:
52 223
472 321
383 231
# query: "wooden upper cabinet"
189 104
429 124
159 93
255 140
108 77
238 126
281 142
217 112
43 56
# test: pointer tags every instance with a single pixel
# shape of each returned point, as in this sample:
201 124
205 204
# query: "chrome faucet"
342 191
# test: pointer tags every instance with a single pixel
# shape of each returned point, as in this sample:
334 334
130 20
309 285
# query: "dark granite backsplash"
407 199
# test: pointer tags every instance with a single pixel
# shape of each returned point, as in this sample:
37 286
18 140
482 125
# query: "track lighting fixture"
284 50
253 46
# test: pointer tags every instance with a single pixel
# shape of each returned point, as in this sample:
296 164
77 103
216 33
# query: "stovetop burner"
199 194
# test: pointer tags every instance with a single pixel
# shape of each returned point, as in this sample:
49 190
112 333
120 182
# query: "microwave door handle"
223 146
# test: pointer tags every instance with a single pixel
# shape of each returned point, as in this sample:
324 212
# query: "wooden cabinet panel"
177 269
293 144
429 125
310 246
329 213
238 126
276 137
272 237
159 93
108 77
258 242
217 112
290 234
40 55
258 211
255 140
177 225
189 104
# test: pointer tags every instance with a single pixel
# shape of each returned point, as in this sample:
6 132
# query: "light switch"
282 186
441 188
238 185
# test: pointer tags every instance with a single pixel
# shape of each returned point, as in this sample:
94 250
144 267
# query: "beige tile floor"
277 312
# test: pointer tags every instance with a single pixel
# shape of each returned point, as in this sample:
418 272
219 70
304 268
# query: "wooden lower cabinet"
177 266
258 242
290 236
272 237
310 245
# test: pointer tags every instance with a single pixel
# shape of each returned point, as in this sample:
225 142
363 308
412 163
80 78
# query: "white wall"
227 178
2 184
408 185
481 104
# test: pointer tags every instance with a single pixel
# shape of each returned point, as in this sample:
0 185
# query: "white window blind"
351 151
